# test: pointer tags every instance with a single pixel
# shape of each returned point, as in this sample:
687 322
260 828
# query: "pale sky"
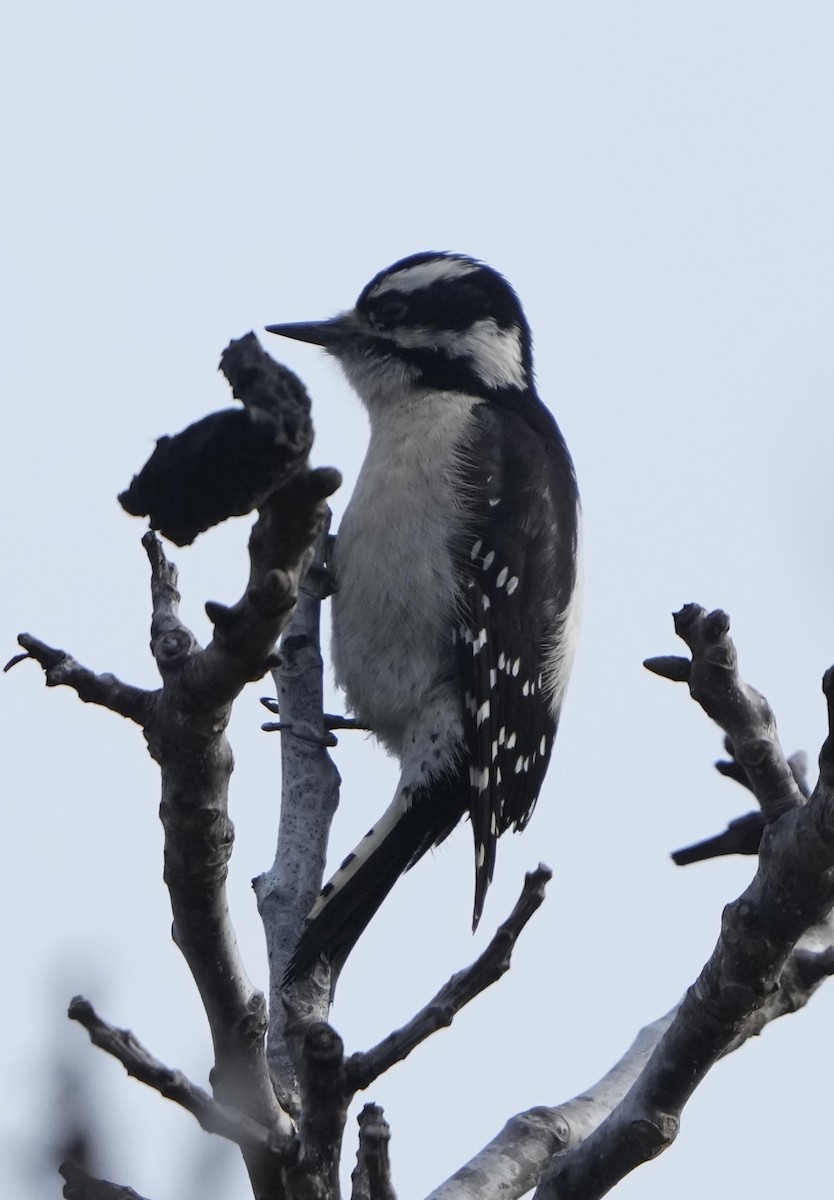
656 181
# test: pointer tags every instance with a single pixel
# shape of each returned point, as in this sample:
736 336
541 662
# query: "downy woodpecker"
456 572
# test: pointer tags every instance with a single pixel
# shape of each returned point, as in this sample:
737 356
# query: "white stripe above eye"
422 275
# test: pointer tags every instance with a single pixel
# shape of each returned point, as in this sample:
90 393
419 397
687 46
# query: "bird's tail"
415 820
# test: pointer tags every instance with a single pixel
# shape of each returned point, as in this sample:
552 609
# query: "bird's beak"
332 334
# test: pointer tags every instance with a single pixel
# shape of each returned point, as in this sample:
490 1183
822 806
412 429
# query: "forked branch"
363 1068
756 973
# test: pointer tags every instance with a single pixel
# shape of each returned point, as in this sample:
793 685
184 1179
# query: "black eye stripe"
387 311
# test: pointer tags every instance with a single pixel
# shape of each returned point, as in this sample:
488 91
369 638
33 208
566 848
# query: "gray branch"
309 797
62 670
324 1104
327 1083
184 725
186 736
792 891
363 1068
742 712
78 1185
757 973
371 1177
515 1160
171 1083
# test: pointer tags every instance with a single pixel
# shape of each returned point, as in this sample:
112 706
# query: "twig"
327 1082
363 1068
171 1083
61 670
741 711
741 836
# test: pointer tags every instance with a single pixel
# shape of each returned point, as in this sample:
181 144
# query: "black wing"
518 572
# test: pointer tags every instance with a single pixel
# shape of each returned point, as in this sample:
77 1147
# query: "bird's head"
431 321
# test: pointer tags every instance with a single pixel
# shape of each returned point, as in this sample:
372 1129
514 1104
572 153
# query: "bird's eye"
387 312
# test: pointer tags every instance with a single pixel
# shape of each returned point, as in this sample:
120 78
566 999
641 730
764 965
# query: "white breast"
393 608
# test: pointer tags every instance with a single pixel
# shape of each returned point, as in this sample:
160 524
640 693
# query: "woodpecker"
457 573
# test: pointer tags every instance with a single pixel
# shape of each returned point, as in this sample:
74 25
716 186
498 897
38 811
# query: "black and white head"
433 321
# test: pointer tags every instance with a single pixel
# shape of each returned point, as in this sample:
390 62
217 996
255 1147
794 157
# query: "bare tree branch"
362 1069
371 1177
513 1162
171 1083
742 712
731 769
309 797
742 836
323 1110
62 670
327 1082
81 1186
184 727
186 737
756 974
792 891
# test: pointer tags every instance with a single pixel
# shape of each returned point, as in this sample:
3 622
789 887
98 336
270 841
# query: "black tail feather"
347 905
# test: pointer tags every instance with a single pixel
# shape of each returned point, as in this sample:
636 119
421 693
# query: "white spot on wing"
479 779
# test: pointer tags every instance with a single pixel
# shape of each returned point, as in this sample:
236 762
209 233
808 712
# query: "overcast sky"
656 181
